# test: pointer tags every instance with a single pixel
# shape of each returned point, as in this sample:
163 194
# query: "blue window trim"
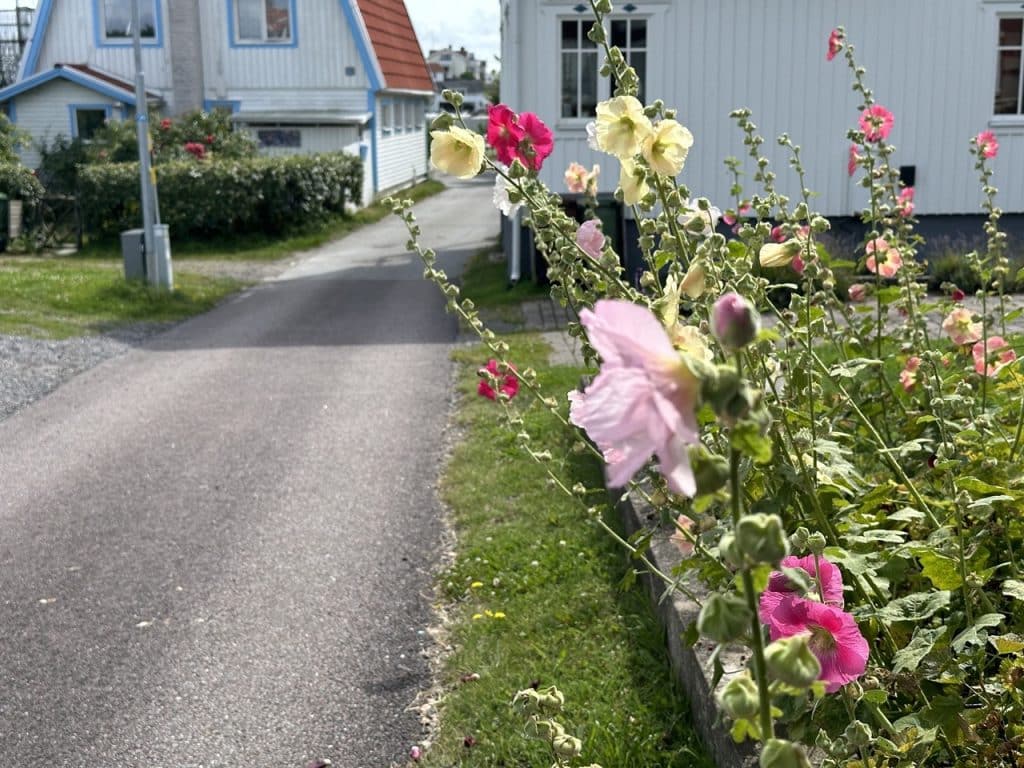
97 86
211 104
101 41
73 108
11 110
234 43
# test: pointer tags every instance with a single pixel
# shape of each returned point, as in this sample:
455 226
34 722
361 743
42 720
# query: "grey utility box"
133 249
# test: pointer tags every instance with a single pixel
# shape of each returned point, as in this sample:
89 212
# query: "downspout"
514 258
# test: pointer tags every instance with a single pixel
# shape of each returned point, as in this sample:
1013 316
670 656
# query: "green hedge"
218 197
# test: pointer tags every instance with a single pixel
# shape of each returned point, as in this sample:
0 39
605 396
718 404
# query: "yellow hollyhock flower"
622 126
779 254
695 281
457 151
666 147
631 179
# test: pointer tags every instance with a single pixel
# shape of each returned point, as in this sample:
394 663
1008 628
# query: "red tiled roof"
395 44
106 77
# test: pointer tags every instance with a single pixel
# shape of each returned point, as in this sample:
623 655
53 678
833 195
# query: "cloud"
474 24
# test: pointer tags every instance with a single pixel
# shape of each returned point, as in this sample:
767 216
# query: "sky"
439 23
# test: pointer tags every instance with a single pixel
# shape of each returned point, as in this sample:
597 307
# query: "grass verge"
257 247
485 281
537 599
60 298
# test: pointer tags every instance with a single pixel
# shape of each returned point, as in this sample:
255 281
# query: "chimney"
185 45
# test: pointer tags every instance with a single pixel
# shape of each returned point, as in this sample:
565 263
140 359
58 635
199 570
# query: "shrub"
217 196
19 183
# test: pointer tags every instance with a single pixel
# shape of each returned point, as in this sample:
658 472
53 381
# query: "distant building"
457 63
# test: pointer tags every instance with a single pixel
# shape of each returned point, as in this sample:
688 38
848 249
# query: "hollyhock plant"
779 585
992 355
960 326
590 238
537 143
988 146
643 401
633 183
692 214
666 146
734 321
457 151
622 126
835 44
876 122
503 132
507 383
883 258
905 202
832 635
908 376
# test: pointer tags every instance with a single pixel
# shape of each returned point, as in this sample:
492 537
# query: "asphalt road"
217 550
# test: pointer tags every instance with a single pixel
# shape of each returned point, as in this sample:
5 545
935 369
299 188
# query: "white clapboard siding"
401 159
932 62
44 113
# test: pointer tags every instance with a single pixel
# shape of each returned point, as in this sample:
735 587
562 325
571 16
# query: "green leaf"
906 515
746 437
1013 588
920 646
943 572
1009 643
974 485
850 368
915 607
976 635
876 696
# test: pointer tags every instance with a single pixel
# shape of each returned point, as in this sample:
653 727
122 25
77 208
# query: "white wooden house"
946 68
300 75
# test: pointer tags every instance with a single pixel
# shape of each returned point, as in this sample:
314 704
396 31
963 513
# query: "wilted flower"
960 326
457 151
508 384
592 136
622 126
854 158
665 148
683 543
876 123
590 238
835 44
883 258
694 281
984 352
644 398
987 144
908 376
633 183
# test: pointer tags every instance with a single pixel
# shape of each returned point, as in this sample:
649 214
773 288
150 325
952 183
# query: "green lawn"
535 598
484 281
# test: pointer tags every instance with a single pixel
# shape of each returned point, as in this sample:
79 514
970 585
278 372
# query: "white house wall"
401 156
708 57
44 113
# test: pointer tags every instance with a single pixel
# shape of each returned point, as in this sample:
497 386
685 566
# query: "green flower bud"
762 538
799 538
740 698
567 746
442 122
730 553
778 753
816 543
858 734
724 618
791 661
710 471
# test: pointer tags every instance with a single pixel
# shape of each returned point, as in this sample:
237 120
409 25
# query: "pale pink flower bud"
734 321
590 238
857 292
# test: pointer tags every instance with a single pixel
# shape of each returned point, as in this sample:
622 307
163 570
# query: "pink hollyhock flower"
508 384
778 235
590 238
835 44
779 585
734 321
883 259
851 164
833 637
537 143
857 292
643 400
503 132
798 264
876 123
908 376
576 178
983 353
987 144
683 544
905 202
960 326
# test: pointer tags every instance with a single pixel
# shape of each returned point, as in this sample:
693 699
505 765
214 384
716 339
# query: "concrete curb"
691 665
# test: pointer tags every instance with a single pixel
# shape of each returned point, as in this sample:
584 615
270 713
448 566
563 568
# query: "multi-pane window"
1009 80
581 88
88 120
263 21
579 69
117 19
279 137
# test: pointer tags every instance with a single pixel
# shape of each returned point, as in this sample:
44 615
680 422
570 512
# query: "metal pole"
142 135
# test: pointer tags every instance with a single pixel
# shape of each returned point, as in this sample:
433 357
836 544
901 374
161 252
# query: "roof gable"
395 45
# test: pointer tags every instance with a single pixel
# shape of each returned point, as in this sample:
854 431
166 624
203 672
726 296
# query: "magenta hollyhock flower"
590 238
961 327
905 202
537 142
508 384
876 123
778 235
987 144
908 376
857 292
833 637
851 164
734 321
503 132
835 44
958 295
779 585
643 400
984 353
883 258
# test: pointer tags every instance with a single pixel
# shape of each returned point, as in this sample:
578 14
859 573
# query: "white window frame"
997 10
1019 49
387 116
263 39
147 39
